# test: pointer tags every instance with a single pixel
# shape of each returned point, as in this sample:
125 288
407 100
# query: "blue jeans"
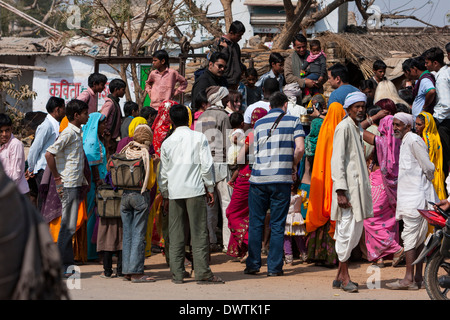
275 197
70 202
134 212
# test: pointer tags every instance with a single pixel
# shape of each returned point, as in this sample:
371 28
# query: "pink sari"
382 231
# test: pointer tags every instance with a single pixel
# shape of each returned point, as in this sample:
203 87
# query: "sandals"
143 278
351 287
398 257
211 280
398 286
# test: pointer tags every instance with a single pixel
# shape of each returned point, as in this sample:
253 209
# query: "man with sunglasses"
213 76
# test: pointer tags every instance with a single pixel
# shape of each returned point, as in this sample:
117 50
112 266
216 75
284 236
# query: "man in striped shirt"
279 146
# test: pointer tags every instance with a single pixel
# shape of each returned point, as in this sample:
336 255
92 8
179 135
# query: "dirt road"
300 282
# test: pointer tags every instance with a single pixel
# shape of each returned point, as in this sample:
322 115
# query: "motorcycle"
436 254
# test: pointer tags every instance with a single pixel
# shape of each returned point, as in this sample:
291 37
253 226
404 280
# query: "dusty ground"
300 282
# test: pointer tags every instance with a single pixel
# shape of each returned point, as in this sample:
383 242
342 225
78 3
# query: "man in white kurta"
415 188
352 199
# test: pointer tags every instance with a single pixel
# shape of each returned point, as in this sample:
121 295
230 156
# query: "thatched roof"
364 49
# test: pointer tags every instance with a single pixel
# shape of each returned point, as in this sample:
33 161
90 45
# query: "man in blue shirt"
339 80
279 147
46 134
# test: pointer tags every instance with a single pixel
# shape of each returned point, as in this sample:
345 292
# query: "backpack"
127 173
108 201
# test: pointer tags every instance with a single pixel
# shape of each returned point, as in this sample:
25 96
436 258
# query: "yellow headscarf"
134 123
433 141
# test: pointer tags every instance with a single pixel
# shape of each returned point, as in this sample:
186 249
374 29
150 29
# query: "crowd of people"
255 165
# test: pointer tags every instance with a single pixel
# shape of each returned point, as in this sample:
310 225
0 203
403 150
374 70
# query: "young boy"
131 111
96 84
111 110
65 159
252 92
315 67
379 70
276 61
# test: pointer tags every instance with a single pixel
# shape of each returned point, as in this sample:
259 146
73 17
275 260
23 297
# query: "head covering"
321 189
161 125
388 152
387 90
433 141
216 94
404 117
93 148
354 97
311 139
257 114
143 134
134 123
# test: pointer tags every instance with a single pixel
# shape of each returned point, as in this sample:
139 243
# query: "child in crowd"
315 66
201 102
237 138
149 114
162 81
250 92
379 72
131 111
295 226
96 84
234 102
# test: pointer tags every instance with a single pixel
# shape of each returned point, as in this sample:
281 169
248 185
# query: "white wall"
75 70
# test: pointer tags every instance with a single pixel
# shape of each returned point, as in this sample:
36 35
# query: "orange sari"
319 206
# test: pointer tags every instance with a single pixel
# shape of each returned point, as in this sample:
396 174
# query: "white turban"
354 97
404 117
216 94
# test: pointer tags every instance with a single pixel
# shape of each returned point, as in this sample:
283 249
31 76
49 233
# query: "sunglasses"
221 66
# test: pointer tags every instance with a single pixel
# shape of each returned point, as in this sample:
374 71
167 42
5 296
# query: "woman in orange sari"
320 243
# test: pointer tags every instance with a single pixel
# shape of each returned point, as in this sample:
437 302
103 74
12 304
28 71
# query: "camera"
317 105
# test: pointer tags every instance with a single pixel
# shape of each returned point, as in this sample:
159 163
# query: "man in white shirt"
424 90
434 61
414 189
186 176
45 136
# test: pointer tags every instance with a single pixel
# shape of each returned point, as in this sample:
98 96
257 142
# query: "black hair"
53 103
237 27
434 54
5 120
277 100
116 84
129 107
379 64
179 115
406 65
96 78
315 43
147 112
407 95
75 106
162 55
270 86
236 119
366 84
373 111
218 55
275 57
447 47
339 70
419 63
402 108
300 38
251 72
200 99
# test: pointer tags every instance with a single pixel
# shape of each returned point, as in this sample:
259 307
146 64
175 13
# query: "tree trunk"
227 13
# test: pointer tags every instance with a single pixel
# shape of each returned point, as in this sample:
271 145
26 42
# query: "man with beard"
352 198
414 188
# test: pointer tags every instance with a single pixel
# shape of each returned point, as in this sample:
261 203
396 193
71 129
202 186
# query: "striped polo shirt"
273 157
